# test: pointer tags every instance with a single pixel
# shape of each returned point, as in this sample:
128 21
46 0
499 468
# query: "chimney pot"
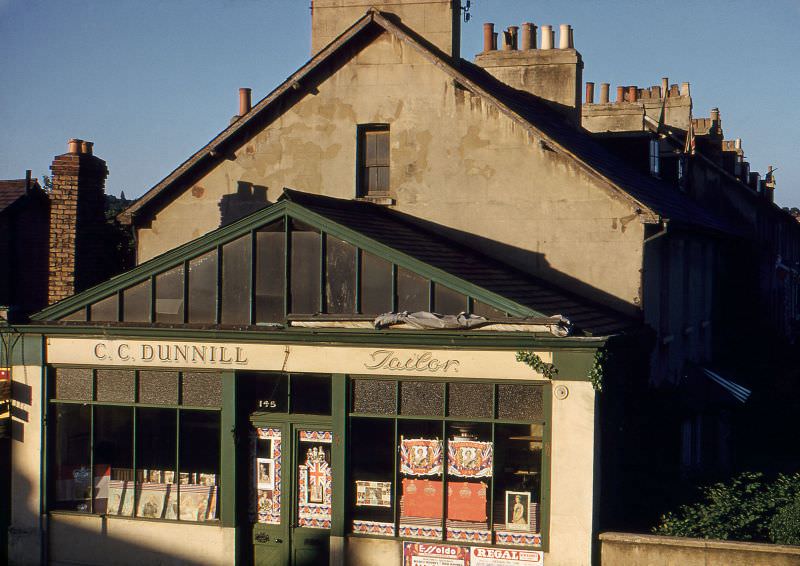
494 41
685 89
244 101
488 37
589 93
547 37
571 38
665 86
507 41
528 36
563 36
604 93
514 32
620 94
86 147
633 93
74 146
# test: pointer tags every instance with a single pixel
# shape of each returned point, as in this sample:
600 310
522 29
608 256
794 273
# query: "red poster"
466 501
422 498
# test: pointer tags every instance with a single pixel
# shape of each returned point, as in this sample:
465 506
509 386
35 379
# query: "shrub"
785 525
745 508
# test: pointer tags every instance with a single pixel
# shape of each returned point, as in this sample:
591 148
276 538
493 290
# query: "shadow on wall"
533 263
247 199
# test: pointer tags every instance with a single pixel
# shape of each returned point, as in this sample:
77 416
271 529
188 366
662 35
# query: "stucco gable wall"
455 161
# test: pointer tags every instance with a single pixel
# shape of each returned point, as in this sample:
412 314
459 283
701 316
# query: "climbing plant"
596 374
531 359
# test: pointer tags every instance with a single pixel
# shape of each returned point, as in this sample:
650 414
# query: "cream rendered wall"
112 541
24 540
572 477
455 162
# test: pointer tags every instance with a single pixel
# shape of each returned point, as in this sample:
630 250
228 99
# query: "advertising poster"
423 554
505 557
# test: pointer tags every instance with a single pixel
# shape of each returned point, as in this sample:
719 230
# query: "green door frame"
284 534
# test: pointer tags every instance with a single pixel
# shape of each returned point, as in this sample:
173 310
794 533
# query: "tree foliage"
749 507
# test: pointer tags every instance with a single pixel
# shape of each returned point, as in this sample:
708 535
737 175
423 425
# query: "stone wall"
626 549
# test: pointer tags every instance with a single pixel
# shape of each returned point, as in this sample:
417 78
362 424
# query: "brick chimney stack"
77 220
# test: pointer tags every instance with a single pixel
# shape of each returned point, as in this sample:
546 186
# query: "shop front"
242 400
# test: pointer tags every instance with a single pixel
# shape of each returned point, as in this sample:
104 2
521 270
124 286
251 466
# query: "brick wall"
77 223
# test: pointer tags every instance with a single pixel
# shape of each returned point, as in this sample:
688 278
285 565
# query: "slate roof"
397 231
10 191
653 197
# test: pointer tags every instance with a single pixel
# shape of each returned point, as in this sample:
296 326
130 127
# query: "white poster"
505 557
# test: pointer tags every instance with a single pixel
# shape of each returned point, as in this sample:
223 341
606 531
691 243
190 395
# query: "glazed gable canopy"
313 257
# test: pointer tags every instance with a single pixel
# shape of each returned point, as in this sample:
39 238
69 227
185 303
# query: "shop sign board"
505 557
423 554
5 402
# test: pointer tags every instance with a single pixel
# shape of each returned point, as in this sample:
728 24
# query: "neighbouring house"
371 320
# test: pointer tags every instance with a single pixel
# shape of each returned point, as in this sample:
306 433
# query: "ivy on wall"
596 374
550 371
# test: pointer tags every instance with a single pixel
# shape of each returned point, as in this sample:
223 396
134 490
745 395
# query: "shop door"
292 482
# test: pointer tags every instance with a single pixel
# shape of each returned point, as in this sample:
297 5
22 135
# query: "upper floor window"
655 157
373 160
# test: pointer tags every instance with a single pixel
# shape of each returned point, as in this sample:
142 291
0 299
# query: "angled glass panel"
486 311
376 285
77 316
340 276
412 291
106 310
202 298
447 301
305 269
270 273
169 296
236 281
136 303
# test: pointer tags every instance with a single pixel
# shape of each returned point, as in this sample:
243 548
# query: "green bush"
745 508
785 525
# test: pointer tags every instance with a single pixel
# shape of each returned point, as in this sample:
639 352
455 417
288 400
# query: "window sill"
67 513
385 200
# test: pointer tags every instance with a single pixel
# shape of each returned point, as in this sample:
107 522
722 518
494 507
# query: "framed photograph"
518 510
265 472
373 493
151 501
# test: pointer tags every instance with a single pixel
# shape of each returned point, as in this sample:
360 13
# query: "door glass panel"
314 479
267 476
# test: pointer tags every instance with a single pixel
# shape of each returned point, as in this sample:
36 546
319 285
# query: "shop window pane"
374 396
340 276
77 316
70 459
305 268
270 273
447 301
169 296
517 484
201 389
376 285
520 402
470 400
113 460
264 392
158 387
74 384
470 467
412 292
311 394
115 386
420 491
421 398
156 448
202 298
136 303
199 461
315 481
372 476
484 310
106 310
266 476
236 281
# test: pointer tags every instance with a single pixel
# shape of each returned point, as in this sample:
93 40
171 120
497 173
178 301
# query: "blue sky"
152 81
